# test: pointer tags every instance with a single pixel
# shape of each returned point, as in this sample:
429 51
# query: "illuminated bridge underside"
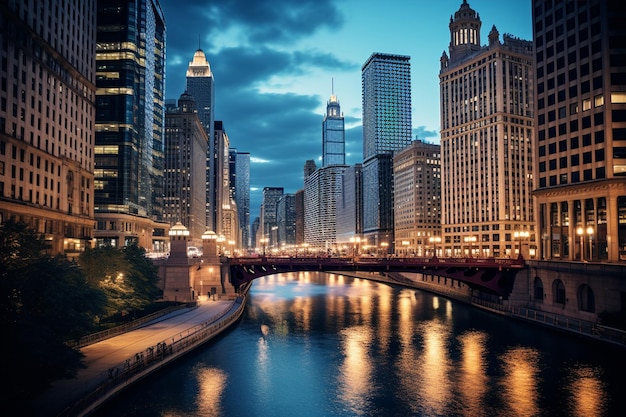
495 276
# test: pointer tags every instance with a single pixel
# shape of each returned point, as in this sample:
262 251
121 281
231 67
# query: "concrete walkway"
111 354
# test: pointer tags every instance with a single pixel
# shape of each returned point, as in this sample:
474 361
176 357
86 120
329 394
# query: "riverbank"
117 363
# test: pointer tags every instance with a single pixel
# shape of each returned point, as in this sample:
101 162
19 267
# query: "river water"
315 344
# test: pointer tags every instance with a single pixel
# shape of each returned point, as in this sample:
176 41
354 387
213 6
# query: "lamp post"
434 241
263 242
521 236
383 246
590 233
355 243
580 232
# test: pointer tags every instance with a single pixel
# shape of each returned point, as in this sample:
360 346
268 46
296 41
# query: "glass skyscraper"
129 161
386 95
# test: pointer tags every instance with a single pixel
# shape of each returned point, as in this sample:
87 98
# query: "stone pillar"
177 284
208 283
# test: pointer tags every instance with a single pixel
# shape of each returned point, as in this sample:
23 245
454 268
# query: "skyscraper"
486 142
47 94
185 163
268 227
580 158
240 186
417 199
130 72
386 95
201 85
333 134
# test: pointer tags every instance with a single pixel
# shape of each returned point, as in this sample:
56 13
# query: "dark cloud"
281 129
423 134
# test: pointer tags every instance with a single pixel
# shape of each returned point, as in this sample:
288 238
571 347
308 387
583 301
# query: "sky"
276 63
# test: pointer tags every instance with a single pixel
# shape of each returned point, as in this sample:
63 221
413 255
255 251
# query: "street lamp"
521 236
384 246
580 232
263 242
355 243
590 233
434 241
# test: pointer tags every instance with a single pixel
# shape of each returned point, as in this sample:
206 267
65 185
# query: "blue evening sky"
274 62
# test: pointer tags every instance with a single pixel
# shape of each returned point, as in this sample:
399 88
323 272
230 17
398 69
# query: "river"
315 344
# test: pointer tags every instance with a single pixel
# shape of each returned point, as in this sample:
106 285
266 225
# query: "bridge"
492 275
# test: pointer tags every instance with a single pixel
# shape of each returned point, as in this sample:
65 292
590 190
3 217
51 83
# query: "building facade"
580 157
286 222
201 85
268 229
129 161
417 199
350 205
386 96
486 142
185 162
47 119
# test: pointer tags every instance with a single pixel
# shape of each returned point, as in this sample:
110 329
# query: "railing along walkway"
587 328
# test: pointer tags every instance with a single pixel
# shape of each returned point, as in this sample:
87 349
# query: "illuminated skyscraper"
130 73
201 85
185 163
240 189
47 115
333 134
386 95
486 141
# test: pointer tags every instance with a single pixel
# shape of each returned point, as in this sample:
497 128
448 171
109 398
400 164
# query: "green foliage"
126 276
45 302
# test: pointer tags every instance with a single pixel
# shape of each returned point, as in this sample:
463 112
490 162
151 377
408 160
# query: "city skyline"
274 71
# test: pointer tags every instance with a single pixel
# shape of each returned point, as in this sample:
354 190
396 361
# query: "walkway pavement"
110 353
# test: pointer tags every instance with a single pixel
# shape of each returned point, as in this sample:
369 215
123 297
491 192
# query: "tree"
45 302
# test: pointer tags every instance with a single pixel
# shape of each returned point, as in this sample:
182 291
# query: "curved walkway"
115 363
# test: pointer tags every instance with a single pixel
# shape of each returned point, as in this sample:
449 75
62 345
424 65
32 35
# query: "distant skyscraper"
333 134
321 190
185 149
271 195
486 141
201 85
309 168
130 116
417 199
580 157
240 184
47 119
386 94
220 180
350 205
286 220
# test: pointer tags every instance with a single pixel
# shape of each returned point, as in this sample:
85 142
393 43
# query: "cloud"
425 135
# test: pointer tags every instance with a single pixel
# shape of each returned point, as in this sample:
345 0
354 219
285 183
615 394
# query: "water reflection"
473 378
211 384
520 382
355 373
587 391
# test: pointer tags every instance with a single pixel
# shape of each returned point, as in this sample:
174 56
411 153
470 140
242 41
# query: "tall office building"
333 134
580 158
417 199
321 190
221 177
268 229
350 205
185 168
201 85
486 142
386 95
47 95
240 185
286 221
130 73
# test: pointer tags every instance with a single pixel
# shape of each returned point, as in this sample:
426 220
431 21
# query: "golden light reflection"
407 370
302 310
211 382
383 315
519 385
435 367
435 303
473 379
355 372
588 393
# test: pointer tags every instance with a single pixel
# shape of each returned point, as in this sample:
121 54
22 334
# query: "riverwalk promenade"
113 364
